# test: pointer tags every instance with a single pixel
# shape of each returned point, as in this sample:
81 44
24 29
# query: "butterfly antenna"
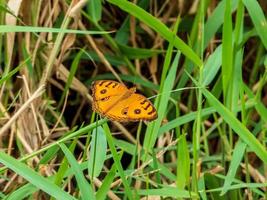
176 90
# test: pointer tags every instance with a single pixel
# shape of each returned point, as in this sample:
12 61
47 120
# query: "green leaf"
153 129
259 20
33 177
236 125
116 158
95 10
106 184
159 27
167 192
85 188
183 163
35 29
22 192
98 149
238 154
227 48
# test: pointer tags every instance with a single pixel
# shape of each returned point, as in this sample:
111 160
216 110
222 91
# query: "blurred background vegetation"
203 64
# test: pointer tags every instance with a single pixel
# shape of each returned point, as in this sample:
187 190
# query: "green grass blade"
168 192
73 69
184 119
85 188
152 133
260 107
159 27
212 66
227 48
236 159
8 75
33 177
259 20
183 163
236 125
216 20
98 149
117 162
33 29
103 190
95 10
22 192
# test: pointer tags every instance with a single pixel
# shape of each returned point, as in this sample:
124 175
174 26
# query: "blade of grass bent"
152 134
98 149
33 177
22 192
85 188
66 138
259 20
238 154
117 162
235 124
106 183
159 27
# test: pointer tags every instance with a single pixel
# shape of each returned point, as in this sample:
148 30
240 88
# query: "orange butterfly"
116 102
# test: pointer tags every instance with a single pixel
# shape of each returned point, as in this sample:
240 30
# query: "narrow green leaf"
259 20
152 131
35 29
167 192
238 154
33 177
216 19
103 190
117 162
184 119
22 192
227 48
95 9
85 188
237 126
183 163
73 69
157 25
8 75
212 66
98 149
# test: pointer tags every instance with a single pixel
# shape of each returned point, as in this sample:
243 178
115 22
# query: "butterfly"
115 101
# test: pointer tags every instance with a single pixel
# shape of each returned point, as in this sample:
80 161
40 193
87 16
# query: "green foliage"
205 66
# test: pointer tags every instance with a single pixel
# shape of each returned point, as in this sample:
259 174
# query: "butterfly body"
116 102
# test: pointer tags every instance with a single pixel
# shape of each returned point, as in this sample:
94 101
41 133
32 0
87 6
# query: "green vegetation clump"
203 65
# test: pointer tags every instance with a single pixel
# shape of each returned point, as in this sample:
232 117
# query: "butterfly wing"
115 101
134 108
105 93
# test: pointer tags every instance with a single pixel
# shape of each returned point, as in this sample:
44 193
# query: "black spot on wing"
137 111
103 91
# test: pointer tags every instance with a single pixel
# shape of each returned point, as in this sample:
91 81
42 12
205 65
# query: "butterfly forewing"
107 88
